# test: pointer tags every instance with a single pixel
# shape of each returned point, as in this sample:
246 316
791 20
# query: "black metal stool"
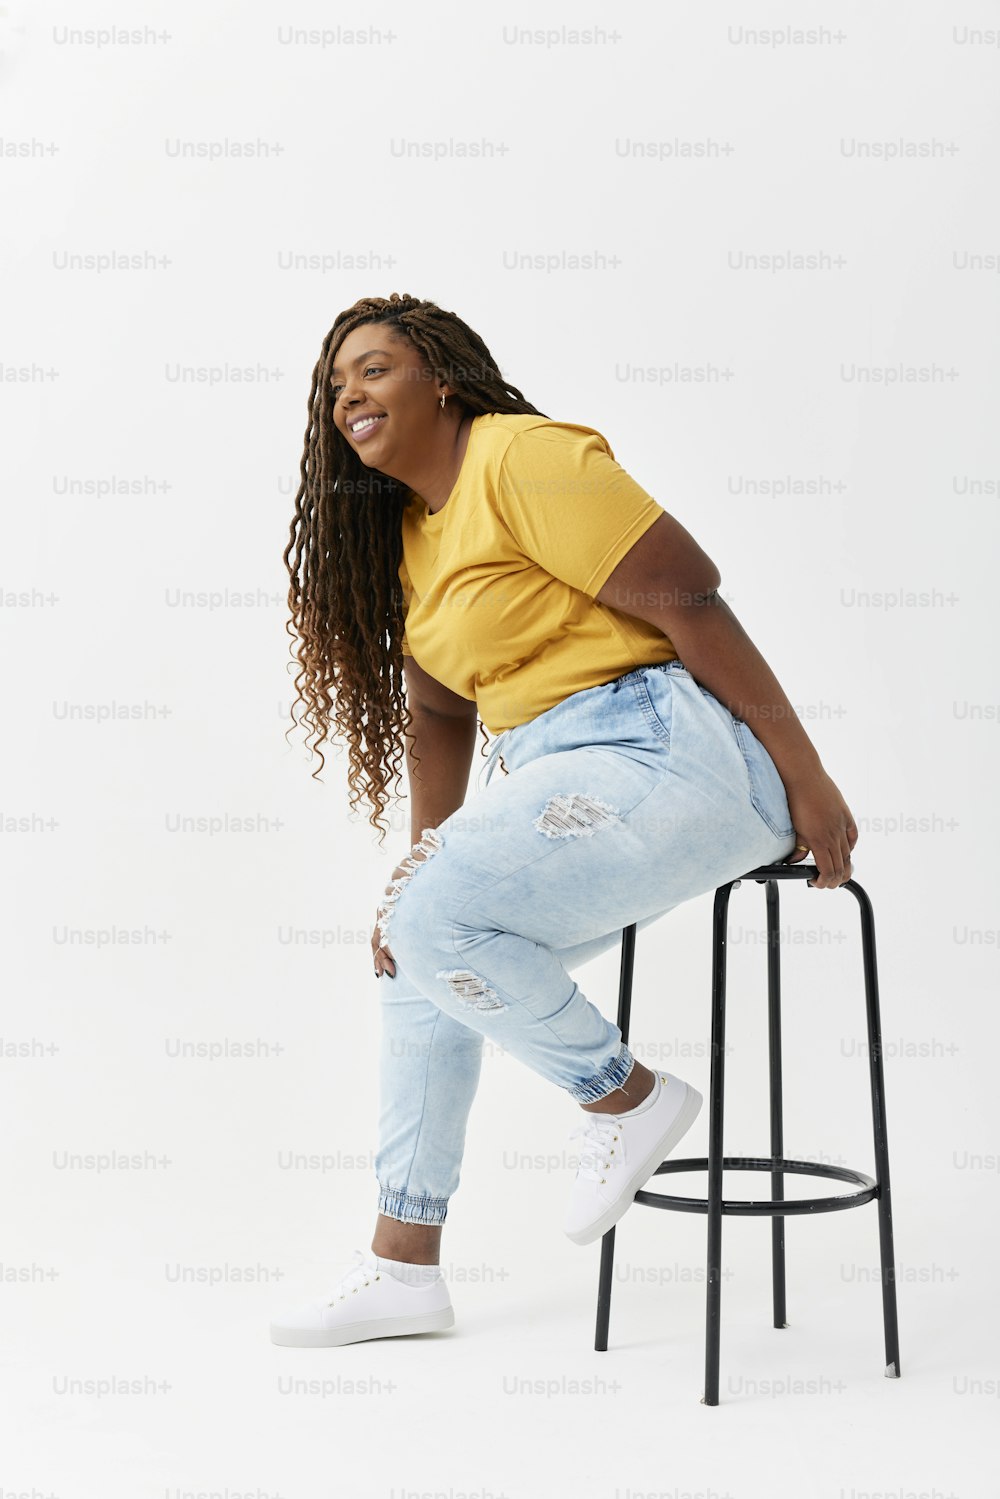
778 1208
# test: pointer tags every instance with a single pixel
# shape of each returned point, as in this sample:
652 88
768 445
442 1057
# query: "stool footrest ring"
781 1207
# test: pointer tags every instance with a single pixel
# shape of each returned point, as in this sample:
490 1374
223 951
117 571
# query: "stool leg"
713 1307
777 1133
608 1241
892 1369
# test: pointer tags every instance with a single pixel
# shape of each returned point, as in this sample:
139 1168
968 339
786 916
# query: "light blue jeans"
619 803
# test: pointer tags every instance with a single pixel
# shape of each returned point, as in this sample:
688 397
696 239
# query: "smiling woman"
517 571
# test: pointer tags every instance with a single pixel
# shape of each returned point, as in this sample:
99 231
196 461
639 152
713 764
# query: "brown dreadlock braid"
345 547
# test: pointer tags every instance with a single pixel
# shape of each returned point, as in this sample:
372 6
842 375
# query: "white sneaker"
618 1155
366 1303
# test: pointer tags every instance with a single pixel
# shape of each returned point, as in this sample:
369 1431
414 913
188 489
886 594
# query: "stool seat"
777 1207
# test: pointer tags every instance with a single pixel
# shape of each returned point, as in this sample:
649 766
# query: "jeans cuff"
610 1077
393 1203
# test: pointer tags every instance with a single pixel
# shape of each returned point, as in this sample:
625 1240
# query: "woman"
502 563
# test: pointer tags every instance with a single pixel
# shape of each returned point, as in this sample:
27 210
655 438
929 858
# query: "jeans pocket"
654 695
767 791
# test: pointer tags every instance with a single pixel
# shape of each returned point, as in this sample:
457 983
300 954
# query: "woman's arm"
719 653
668 581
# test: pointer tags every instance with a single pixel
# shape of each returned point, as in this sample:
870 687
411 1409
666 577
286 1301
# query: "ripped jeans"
619 803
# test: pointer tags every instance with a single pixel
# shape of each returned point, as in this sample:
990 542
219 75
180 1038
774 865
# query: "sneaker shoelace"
361 1274
603 1146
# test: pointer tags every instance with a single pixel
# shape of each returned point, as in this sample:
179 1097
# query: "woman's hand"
384 961
823 822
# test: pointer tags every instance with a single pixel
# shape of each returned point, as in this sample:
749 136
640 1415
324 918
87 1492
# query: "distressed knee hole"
471 988
576 815
429 843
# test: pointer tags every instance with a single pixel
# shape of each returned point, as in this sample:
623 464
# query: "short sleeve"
569 505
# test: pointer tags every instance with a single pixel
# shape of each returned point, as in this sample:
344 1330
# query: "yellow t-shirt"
499 583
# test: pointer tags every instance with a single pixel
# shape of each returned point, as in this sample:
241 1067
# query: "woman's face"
377 374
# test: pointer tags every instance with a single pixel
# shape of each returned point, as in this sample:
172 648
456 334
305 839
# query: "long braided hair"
345 547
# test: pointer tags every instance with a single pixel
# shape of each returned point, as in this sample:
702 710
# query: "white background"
854 524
